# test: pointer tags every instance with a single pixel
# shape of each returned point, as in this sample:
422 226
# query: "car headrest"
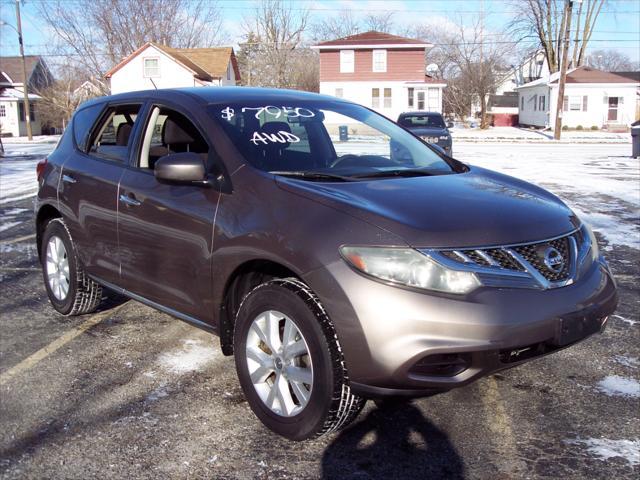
275 127
174 133
123 134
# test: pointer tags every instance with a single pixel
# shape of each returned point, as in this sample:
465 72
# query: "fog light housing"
441 365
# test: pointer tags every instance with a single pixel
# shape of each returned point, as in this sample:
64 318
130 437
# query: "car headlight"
409 267
590 237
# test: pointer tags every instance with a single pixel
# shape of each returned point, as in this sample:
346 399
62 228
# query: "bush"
579 127
565 128
594 127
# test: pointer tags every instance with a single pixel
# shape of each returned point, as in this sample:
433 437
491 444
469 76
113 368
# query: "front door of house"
613 109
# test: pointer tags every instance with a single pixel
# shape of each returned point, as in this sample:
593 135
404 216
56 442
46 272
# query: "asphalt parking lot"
129 392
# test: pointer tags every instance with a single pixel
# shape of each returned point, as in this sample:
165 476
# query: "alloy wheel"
279 363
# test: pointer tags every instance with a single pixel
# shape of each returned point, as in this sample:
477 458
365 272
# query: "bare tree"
380 22
543 21
273 36
611 61
329 28
100 33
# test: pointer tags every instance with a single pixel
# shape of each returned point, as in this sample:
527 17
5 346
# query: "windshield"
424 121
336 139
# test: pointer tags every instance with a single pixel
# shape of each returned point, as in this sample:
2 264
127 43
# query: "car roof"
208 95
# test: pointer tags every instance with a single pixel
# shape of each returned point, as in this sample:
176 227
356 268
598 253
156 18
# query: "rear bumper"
386 331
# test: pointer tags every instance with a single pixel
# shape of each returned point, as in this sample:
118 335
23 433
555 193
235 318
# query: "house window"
387 98
151 67
522 103
3 111
410 102
375 98
575 103
433 100
339 92
535 103
542 100
346 61
379 60
32 112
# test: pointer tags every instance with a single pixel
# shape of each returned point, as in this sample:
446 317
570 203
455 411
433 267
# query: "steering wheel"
345 159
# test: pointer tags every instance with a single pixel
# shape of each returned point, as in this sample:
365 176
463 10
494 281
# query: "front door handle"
130 201
68 179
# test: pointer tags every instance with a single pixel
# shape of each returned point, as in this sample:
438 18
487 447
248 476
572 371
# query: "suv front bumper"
385 331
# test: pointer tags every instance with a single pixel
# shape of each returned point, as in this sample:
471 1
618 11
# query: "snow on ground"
194 355
510 134
18 170
617 386
605 449
630 362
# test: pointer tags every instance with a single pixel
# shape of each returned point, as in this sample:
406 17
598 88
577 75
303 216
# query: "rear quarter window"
83 120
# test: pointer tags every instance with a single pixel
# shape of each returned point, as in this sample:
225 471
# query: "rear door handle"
68 179
130 201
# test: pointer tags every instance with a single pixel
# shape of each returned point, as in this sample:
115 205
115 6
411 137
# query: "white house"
382 71
157 66
591 98
533 67
12 115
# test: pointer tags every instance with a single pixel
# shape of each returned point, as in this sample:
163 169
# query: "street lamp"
26 105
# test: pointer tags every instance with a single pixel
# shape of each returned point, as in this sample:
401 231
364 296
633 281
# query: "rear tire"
70 290
289 362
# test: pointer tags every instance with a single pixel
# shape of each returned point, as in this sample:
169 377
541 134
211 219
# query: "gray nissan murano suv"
333 270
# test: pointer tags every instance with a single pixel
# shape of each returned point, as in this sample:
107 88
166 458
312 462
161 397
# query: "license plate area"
574 328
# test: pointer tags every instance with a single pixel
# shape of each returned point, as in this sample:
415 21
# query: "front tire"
70 290
290 363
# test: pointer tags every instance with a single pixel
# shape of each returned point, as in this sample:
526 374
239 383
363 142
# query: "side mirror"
449 124
186 167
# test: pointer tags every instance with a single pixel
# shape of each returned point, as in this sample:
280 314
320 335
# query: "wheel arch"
242 280
46 213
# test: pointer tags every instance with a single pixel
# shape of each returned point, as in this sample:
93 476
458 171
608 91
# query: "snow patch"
157 394
606 449
631 362
617 386
8 225
193 356
626 320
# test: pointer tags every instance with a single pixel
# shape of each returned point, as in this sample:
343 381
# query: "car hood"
423 131
476 208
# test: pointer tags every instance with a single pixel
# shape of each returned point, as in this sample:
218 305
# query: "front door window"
613 109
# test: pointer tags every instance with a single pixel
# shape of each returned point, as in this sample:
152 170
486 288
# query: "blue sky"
618 25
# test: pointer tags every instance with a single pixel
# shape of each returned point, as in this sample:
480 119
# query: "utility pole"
27 107
563 70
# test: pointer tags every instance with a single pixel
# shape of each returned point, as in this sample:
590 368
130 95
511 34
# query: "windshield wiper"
403 172
312 175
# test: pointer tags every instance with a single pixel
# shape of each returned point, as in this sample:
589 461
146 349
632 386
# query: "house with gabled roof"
382 71
592 98
12 112
158 66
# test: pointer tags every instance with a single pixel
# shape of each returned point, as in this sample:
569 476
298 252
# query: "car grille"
534 260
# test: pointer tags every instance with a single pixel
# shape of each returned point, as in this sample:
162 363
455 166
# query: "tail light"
40 168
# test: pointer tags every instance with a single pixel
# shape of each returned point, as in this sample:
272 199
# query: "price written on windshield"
270 110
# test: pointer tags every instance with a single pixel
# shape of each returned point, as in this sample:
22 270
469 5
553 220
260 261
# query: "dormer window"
379 60
346 61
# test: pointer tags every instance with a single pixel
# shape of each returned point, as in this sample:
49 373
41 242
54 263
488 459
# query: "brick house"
382 71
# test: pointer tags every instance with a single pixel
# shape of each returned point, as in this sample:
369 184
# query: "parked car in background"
334 271
430 126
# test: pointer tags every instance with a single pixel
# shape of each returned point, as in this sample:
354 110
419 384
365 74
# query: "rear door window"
113 137
83 120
